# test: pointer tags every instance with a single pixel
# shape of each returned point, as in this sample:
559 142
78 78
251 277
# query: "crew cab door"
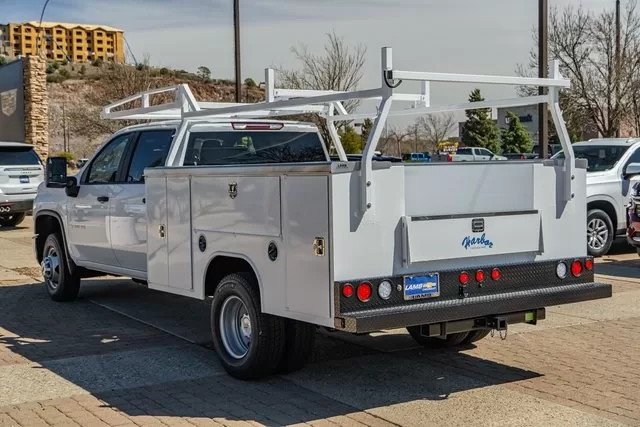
128 220
482 154
627 182
88 213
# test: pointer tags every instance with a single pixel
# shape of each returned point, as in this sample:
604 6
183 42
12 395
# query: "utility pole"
543 62
618 72
236 25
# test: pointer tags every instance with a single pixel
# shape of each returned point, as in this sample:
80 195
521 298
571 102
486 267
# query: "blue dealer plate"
419 287
24 179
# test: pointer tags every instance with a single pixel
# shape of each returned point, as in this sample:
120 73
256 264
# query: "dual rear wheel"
252 344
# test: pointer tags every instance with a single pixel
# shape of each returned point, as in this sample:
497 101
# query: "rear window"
18 156
237 147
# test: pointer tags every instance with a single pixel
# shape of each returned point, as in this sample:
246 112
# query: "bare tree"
393 140
435 128
339 68
602 89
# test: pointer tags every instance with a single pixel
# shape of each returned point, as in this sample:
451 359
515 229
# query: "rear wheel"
600 232
61 284
12 220
249 343
300 338
451 340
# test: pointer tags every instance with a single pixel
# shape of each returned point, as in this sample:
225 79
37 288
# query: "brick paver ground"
587 374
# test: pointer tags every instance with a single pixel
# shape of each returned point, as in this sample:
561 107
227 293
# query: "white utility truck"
223 201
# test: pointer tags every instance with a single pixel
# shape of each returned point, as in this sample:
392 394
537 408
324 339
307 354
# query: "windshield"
599 157
14 156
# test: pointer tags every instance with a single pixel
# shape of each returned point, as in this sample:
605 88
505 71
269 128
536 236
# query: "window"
105 166
20 155
484 152
464 151
599 157
150 152
239 147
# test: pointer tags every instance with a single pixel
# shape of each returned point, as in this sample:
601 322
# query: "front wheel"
249 343
12 220
61 284
600 233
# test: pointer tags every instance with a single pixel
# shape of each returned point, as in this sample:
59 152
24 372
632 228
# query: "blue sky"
468 36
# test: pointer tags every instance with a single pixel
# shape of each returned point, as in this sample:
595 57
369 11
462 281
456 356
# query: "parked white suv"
609 182
21 172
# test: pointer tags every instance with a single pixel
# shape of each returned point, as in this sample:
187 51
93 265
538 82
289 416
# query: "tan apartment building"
60 41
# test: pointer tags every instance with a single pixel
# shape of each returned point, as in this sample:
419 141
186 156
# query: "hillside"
77 93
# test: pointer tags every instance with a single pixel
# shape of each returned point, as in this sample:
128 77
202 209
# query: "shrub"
250 82
55 78
66 155
65 73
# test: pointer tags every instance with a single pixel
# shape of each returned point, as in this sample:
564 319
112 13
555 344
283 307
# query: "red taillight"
521 157
588 264
364 291
576 268
464 277
495 274
449 158
479 276
347 290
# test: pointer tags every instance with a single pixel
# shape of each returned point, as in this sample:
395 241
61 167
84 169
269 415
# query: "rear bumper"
475 307
8 206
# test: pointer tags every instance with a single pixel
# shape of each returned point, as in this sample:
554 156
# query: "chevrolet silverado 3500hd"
223 201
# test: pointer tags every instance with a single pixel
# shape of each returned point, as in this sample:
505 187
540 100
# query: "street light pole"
44 7
543 62
236 25
618 68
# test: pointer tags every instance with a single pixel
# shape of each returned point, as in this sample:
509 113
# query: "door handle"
144 200
103 199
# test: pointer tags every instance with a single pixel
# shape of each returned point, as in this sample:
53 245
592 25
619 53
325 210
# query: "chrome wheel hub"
235 327
51 268
597 233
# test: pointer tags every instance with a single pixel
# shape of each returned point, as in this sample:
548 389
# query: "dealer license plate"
24 179
420 287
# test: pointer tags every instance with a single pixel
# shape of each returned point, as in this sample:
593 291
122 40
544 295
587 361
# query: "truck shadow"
144 371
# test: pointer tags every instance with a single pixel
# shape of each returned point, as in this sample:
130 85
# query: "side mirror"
632 169
56 174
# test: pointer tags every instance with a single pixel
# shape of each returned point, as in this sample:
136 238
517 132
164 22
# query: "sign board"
11 102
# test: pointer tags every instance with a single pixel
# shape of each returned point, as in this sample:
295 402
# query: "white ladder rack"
328 104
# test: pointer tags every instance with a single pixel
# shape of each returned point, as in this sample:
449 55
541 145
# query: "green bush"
66 155
51 69
65 73
250 82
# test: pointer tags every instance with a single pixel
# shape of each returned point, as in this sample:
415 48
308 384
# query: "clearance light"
464 277
495 274
257 126
588 264
347 290
479 276
561 270
576 268
364 291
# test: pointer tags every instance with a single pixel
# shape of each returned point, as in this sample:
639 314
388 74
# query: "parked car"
21 171
610 177
474 154
416 157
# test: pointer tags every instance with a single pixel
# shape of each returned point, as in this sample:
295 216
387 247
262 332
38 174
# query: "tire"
452 340
476 335
600 233
61 285
12 220
236 301
300 338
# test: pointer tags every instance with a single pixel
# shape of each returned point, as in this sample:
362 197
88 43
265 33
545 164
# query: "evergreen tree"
516 138
480 130
351 141
366 130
